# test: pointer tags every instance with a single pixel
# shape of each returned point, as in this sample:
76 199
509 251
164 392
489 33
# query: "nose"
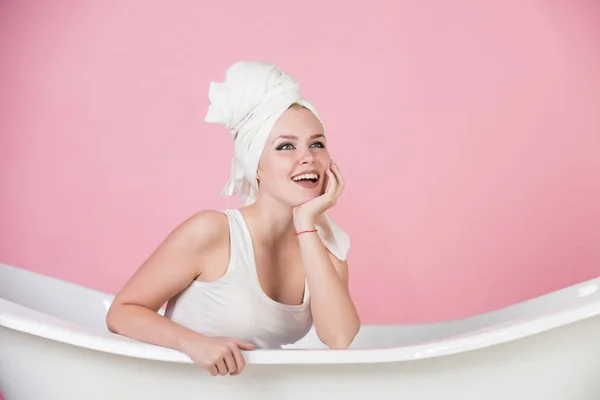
307 158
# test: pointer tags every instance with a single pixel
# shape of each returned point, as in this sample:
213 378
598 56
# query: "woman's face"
293 163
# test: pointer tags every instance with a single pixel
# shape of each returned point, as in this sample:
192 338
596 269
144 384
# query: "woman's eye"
289 146
285 146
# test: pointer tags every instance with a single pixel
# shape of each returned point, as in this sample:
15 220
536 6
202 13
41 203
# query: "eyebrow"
293 137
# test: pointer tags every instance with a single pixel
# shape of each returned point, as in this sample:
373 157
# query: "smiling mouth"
308 180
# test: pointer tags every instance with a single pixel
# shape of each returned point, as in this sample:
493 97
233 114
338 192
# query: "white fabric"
248 102
235 305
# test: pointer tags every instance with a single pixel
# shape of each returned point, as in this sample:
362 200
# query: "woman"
262 275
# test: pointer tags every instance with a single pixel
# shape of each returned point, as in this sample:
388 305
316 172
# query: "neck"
270 220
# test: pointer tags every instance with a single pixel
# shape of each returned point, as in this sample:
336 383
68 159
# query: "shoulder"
203 228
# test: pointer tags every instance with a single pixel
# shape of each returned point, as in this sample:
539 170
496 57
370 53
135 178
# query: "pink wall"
468 132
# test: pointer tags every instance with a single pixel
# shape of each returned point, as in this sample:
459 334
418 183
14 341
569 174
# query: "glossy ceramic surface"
54 344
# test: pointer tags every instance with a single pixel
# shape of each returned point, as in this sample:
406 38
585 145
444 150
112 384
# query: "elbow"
112 319
339 344
341 340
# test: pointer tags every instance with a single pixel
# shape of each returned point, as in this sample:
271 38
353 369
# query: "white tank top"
235 305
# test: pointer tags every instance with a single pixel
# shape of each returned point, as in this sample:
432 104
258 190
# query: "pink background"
468 132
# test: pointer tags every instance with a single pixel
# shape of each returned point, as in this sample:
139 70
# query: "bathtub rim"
22 319
29 321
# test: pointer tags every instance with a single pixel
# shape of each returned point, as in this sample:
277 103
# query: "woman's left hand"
306 215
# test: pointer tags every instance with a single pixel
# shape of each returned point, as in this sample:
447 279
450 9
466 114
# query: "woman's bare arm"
335 317
176 262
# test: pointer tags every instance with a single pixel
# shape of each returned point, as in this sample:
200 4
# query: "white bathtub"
54 345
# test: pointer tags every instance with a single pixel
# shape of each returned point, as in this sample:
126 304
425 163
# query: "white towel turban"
249 102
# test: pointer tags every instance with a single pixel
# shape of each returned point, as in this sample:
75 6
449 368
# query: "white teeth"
305 176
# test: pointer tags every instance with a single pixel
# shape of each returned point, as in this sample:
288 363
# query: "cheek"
324 158
275 170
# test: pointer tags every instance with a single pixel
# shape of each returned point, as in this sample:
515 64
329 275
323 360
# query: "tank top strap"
240 248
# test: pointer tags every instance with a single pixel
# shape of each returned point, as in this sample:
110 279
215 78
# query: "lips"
307 179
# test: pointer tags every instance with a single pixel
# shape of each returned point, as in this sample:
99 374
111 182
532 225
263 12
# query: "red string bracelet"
311 230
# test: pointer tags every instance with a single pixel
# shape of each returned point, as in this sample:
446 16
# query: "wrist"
189 340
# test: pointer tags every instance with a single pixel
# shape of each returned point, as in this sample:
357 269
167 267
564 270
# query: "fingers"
230 364
221 367
239 361
237 354
335 182
231 361
339 178
213 370
331 182
227 365
336 170
327 182
243 345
